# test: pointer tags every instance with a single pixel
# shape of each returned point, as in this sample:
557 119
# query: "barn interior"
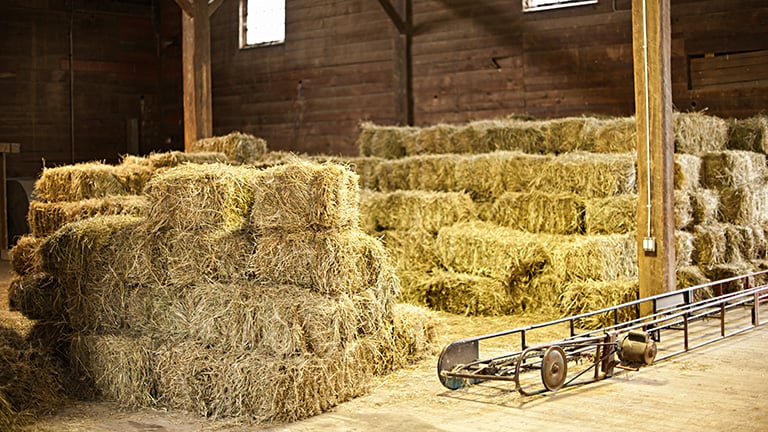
273 215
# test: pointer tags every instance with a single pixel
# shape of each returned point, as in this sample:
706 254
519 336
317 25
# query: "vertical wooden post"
402 17
4 240
651 37
196 58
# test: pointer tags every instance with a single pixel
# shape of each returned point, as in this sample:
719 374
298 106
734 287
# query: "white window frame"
266 25
540 5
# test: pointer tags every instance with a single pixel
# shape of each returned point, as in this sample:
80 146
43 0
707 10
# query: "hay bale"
614 215
744 205
387 142
254 384
615 135
302 195
404 210
570 134
100 262
721 243
78 182
750 134
690 276
732 169
539 212
684 248
590 295
705 206
507 134
23 255
121 367
485 249
30 382
237 146
723 271
683 209
590 175
410 250
46 218
134 176
437 139
596 257
696 132
331 262
37 296
195 197
413 288
171 159
468 294
415 332
365 168
687 171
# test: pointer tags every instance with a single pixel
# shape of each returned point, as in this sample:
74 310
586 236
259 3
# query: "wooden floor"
719 387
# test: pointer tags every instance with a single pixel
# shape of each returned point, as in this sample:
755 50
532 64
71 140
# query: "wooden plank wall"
118 104
472 59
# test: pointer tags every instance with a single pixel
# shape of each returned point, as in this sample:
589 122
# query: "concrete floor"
720 387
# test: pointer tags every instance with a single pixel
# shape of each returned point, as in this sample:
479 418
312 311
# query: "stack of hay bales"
239 292
571 184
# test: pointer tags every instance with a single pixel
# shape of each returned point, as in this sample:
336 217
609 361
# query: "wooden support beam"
651 37
401 15
196 59
4 240
213 5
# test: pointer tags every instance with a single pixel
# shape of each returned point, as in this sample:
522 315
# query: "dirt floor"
715 388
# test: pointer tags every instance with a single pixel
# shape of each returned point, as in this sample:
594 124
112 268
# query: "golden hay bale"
689 276
46 218
705 206
684 248
427 172
590 175
363 166
255 384
387 142
613 215
722 243
696 132
570 134
687 171
100 263
134 176
410 250
157 161
590 295
683 209
37 296
744 205
467 294
30 382
329 262
437 139
732 169
615 135
78 182
23 255
542 293
195 197
303 195
507 134
121 367
403 210
485 249
596 257
750 134
539 212
489 176
237 146
415 331
725 271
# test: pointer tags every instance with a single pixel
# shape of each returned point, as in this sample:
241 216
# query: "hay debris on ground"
576 258
750 134
538 212
46 218
78 182
696 132
404 210
467 294
24 257
590 175
614 215
485 249
303 195
590 295
732 169
237 146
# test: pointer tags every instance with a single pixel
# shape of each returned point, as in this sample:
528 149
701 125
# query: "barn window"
537 5
262 22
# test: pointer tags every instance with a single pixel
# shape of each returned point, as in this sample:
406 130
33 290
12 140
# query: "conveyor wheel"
554 368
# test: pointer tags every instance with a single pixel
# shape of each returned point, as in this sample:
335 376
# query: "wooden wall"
112 99
472 59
